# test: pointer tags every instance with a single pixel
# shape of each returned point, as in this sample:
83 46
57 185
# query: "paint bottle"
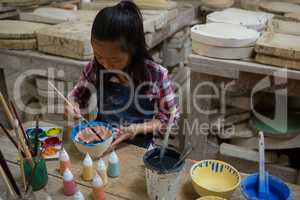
98 188
64 161
69 183
78 195
102 171
113 165
88 171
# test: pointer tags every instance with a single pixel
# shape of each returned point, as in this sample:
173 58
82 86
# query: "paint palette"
50 140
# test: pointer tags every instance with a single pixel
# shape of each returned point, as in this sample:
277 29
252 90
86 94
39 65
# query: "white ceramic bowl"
95 150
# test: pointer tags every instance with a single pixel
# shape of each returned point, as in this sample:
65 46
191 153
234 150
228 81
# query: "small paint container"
51 142
161 177
53 132
31 133
277 188
36 175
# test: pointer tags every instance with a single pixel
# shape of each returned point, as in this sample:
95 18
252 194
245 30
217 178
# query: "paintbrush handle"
10 137
7 111
23 145
6 181
8 174
166 139
20 124
70 104
61 95
22 167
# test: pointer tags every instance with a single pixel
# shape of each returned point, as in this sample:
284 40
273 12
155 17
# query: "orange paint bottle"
98 188
64 161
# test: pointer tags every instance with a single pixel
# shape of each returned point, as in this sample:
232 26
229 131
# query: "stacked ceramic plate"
226 41
250 19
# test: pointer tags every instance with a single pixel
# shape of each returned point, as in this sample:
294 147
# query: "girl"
133 92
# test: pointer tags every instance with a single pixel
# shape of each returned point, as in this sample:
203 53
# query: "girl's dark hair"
124 23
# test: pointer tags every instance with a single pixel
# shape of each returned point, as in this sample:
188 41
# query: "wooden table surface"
130 185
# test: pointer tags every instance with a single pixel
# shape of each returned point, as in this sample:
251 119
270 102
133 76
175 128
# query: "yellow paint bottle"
88 170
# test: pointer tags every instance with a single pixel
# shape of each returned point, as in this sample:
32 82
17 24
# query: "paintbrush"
70 104
10 137
22 167
8 174
6 181
7 111
22 144
36 137
20 125
167 135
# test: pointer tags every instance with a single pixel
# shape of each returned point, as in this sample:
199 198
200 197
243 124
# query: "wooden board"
97 5
278 44
280 7
8 15
156 4
70 39
86 15
217 4
169 14
284 26
12 29
279 62
250 19
294 16
18 44
8 12
160 17
49 15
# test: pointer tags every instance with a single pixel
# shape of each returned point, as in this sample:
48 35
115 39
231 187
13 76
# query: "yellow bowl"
214 178
210 198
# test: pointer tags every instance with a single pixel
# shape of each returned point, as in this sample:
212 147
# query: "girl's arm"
80 93
82 90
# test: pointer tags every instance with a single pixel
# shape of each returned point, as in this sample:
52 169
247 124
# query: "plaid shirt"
162 91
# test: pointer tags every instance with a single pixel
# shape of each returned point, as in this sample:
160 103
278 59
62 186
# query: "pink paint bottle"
69 183
64 161
98 188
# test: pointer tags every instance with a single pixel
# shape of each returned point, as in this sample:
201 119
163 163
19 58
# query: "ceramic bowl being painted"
277 188
94 149
214 178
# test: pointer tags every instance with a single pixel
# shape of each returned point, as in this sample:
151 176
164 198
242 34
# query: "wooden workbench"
131 183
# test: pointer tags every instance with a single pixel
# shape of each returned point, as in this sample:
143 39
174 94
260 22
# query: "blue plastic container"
278 189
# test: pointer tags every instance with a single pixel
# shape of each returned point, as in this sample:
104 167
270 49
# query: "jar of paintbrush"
35 169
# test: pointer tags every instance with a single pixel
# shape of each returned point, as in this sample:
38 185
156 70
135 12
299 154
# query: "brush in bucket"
162 176
263 186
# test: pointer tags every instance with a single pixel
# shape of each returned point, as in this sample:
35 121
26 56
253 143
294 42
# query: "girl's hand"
72 112
124 133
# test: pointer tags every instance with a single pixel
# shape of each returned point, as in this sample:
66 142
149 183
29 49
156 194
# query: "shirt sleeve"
81 92
166 101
